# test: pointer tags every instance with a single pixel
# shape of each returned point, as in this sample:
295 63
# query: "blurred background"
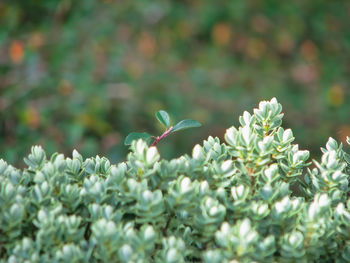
83 74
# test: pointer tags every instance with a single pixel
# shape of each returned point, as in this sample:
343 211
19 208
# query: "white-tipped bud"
246 132
197 152
140 147
147 195
125 252
226 166
231 136
287 135
185 185
244 228
149 233
152 155
271 172
300 156
204 187
239 192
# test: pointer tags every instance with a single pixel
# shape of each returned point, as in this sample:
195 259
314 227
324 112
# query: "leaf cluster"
163 117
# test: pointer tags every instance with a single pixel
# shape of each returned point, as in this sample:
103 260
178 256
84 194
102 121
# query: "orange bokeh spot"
308 50
255 48
65 87
336 95
32 117
147 44
285 43
16 52
260 24
134 68
36 40
221 34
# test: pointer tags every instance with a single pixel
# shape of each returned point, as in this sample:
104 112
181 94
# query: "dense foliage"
83 74
240 201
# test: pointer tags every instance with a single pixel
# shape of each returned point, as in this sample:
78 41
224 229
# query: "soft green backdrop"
83 74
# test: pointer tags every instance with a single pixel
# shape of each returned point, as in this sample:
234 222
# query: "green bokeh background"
83 74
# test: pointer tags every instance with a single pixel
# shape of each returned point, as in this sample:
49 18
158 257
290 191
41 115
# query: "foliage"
163 118
83 74
228 202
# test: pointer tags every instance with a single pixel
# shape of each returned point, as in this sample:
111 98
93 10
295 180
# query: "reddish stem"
159 138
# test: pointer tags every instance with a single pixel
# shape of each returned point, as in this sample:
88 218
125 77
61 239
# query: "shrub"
253 198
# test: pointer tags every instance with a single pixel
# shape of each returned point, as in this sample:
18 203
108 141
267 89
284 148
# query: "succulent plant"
253 198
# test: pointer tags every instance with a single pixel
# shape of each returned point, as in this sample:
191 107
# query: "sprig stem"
159 138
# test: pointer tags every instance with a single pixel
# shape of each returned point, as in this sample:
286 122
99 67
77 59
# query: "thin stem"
167 225
159 138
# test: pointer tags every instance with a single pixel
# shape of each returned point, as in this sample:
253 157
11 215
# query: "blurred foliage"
83 74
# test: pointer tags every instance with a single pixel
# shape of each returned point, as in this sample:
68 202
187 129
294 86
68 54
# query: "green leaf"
185 124
163 118
137 135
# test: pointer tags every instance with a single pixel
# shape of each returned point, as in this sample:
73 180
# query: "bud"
300 156
125 252
271 172
140 147
185 185
147 196
152 155
10 191
149 233
231 136
287 135
204 187
239 192
197 152
283 205
172 255
246 134
77 155
3 166
244 228
226 166
16 212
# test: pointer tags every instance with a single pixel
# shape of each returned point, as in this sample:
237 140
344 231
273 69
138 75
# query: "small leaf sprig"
163 117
